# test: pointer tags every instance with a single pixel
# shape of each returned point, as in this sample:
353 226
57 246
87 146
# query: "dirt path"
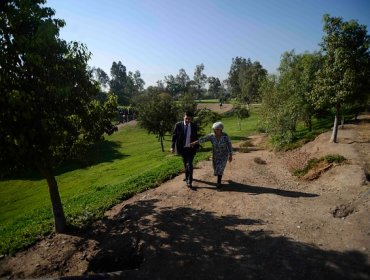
263 224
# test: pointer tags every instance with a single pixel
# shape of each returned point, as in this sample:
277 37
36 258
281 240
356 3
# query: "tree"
214 88
157 113
186 104
101 77
285 99
200 80
308 65
343 78
233 79
118 82
160 86
172 87
203 117
138 81
245 78
182 79
250 77
48 109
277 112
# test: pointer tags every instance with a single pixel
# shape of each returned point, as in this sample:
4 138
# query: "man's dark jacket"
179 137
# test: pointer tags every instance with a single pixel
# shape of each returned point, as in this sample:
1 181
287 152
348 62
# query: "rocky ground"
263 223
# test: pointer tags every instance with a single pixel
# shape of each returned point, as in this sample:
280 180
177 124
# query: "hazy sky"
158 37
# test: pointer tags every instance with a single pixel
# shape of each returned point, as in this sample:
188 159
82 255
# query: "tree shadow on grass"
233 186
145 241
106 151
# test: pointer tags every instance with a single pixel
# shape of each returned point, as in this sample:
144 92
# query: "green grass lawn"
207 101
128 162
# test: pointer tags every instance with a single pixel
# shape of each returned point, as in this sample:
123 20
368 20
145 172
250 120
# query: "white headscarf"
218 125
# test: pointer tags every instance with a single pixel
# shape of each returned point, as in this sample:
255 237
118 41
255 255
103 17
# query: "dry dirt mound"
262 224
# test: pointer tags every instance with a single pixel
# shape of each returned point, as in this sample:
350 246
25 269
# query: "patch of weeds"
333 158
314 162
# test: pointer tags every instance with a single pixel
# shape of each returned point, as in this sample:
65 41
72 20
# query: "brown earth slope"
263 224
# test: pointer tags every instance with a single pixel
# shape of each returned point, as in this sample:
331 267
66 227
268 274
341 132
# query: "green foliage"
312 163
285 98
215 89
47 103
200 79
250 77
233 79
204 117
333 158
118 83
157 113
186 103
278 113
344 77
245 79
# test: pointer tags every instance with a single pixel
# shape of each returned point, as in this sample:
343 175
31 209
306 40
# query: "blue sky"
158 37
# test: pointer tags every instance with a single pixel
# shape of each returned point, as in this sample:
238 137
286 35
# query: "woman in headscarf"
221 149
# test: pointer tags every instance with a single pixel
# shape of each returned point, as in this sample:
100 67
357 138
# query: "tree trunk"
308 122
161 137
342 120
58 213
334 134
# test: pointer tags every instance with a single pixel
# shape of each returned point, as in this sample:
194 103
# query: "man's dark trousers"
188 155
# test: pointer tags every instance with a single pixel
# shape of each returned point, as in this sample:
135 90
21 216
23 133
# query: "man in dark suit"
183 134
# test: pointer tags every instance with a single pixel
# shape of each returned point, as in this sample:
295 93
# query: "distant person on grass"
222 150
183 134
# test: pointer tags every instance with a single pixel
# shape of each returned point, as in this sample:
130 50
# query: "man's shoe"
189 185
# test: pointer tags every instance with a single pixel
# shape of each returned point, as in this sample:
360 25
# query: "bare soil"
216 107
263 223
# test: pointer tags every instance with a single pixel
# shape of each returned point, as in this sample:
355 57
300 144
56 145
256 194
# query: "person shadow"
233 186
